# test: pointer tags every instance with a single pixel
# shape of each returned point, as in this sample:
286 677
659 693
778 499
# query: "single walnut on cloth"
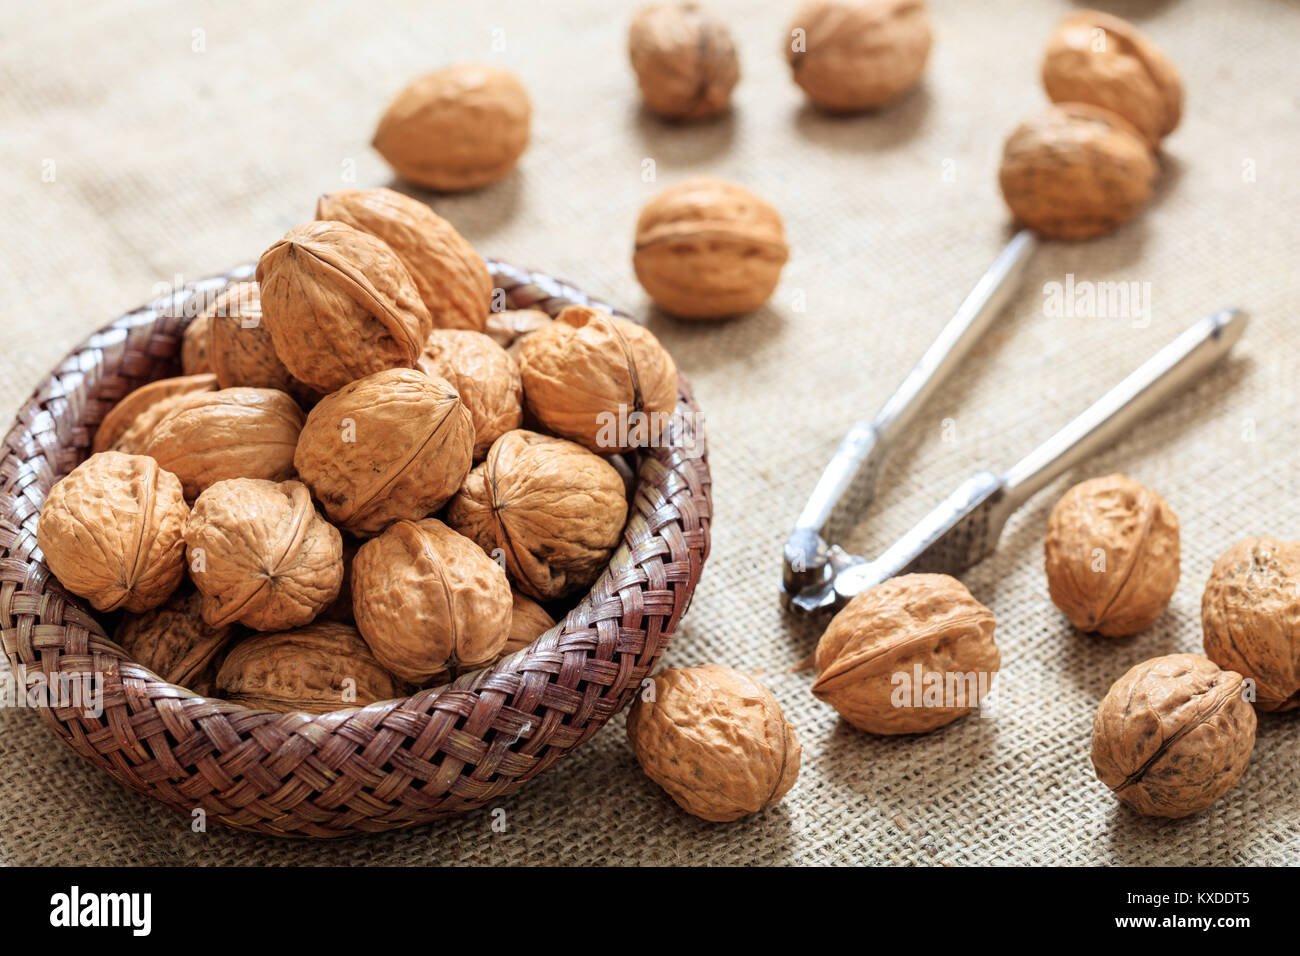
452 278
1250 614
176 643
851 55
715 739
1098 58
396 444
1173 735
485 376
242 351
111 531
907 656
261 554
684 59
316 669
428 600
707 248
599 380
340 305
130 422
553 509
1112 555
1076 171
457 128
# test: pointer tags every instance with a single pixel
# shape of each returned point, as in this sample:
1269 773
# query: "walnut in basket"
132 420
396 444
485 376
195 352
552 509
510 327
452 278
684 60
340 305
111 531
313 670
528 622
428 600
176 643
242 352
261 554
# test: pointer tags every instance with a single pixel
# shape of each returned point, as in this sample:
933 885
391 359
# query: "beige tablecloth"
146 141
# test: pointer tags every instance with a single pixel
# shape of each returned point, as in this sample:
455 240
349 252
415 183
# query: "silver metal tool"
857 461
966 526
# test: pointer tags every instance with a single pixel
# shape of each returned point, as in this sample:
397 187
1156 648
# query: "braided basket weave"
364 770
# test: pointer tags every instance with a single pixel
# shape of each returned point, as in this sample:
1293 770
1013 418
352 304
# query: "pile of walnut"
344 476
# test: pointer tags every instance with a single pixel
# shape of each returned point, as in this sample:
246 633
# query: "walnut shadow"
676 143
889 127
476 213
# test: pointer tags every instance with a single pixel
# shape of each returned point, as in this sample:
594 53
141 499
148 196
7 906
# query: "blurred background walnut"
1251 618
176 643
851 55
316 669
553 509
242 352
599 380
452 278
1112 555
684 60
485 376
261 554
923 626
1173 735
427 599
457 128
111 531
396 444
195 359
510 327
130 422
230 433
340 304
707 248
715 739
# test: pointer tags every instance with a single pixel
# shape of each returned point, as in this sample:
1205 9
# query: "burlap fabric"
146 142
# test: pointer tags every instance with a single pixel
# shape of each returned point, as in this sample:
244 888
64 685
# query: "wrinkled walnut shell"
510 327
871 654
599 380
1173 735
111 532
428 599
486 377
684 60
452 278
1251 617
1101 59
715 739
707 248
340 305
1112 555
132 420
243 353
230 433
176 643
1076 171
858 54
396 444
261 555
528 622
457 128
554 510
316 669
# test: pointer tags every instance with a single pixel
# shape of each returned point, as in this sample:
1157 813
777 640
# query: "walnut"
1101 59
1251 617
599 380
1076 171
1112 555
313 670
1173 735
341 608
528 622
195 352
396 444
261 554
242 351
175 642
457 128
684 59
554 510
510 327
851 55
428 599
486 377
715 739
229 433
130 422
340 305
707 248
908 655
111 531
452 278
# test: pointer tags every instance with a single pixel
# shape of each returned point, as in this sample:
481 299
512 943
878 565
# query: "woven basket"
364 770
